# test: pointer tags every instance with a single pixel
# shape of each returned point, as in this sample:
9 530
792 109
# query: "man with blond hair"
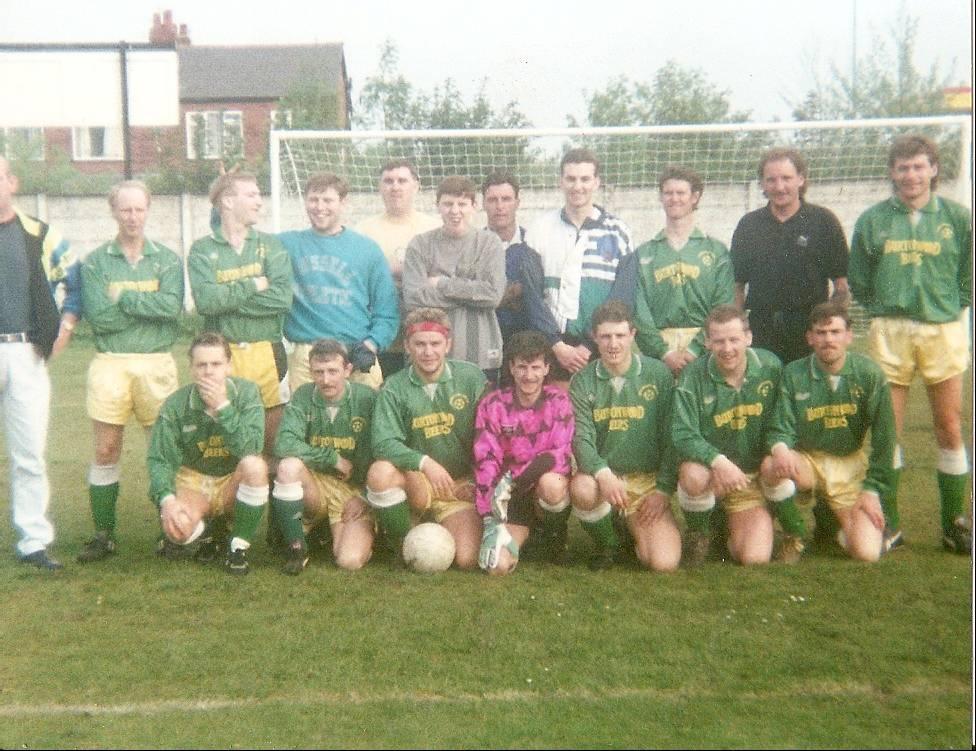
133 294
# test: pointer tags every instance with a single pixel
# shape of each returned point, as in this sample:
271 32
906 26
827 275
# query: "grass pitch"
139 652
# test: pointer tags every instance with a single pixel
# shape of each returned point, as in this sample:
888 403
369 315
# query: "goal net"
847 165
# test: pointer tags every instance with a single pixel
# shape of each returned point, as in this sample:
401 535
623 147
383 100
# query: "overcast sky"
542 53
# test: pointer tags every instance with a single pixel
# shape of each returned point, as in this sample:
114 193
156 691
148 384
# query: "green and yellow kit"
409 421
186 436
623 422
320 432
712 418
224 290
133 308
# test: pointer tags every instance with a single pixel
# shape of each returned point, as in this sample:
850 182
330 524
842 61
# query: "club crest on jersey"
358 424
802 396
707 258
459 401
945 231
648 392
764 388
189 428
856 391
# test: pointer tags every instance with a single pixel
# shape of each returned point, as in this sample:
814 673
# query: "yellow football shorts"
441 508
122 384
743 500
211 488
334 494
639 485
299 372
264 363
938 351
839 479
678 339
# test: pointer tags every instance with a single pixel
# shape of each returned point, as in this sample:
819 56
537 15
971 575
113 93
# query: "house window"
280 119
214 134
96 143
22 143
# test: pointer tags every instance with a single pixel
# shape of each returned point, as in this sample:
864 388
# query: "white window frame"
213 147
33 137
81 144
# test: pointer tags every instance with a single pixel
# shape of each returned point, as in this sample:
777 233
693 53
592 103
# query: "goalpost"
848 169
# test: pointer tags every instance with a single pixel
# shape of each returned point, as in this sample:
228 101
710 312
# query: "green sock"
952 489
288 515
824 518
790 518
395 521
700 521
246 520
602 532
889 501
103 499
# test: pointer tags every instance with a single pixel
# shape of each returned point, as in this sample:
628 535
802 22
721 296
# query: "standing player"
522 454
581 246
460 269
342 287
133 294
523 307
241 284
205 458
827 403
787 253
622 404
721 407
34 258
324 452
681 275
423 428
393 229
911 267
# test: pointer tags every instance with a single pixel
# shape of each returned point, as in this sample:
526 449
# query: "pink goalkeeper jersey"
509 436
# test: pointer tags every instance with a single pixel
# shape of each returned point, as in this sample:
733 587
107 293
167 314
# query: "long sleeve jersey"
320 432
508 437
711 417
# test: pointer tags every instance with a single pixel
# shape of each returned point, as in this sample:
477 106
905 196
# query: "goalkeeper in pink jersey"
522 448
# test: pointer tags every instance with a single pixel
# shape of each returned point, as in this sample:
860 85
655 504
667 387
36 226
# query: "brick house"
229 100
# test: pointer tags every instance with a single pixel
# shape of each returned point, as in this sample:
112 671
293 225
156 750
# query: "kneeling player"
720 411
622 404
205 456
423 427
522 450
827 403
324 452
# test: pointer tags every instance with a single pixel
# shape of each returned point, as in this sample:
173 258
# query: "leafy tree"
389 102
310 104
675 95
888 84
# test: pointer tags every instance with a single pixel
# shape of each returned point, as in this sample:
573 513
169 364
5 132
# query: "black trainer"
959 538
296 559
99 547
603 559
40 559
236 562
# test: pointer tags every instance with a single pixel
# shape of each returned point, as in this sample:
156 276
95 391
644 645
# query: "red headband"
416 328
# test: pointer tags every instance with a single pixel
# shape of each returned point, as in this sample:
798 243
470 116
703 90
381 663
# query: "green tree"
389 102
675 95
310 104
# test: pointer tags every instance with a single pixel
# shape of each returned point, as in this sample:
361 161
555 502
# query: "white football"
428 548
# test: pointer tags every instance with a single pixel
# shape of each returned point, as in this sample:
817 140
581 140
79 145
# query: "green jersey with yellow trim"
319 432
185 435
678 288
224 288
133 307
817 411
622 422
711 417
920 270
413 418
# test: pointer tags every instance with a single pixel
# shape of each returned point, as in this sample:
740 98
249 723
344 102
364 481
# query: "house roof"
256 72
